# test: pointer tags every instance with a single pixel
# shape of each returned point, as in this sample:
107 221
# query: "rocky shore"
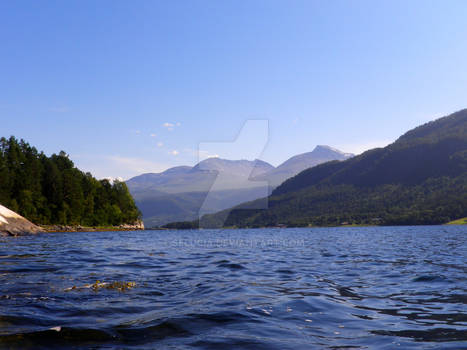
78 228
13 224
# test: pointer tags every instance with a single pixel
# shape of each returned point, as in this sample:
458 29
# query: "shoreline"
79 228
140 227
463 223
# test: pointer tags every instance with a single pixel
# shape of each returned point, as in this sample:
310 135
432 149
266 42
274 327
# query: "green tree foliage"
51 190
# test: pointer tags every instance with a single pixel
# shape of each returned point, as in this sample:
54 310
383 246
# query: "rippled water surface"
336 288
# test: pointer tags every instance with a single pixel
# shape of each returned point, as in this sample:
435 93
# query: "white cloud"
160 144
171 126
152 135
206 154
113 179
174 152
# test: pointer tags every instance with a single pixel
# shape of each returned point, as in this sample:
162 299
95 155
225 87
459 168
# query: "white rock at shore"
13 224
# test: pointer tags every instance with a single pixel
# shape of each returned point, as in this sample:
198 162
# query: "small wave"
347 292
432 335
55 337
232 266
429 278
252 344
160 331
20 256
30 269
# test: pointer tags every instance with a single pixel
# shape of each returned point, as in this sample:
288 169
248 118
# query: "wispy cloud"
171 126
152 135
160 144
174 152
206 154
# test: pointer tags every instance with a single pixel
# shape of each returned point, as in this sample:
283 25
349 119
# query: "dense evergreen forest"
419 179
51 190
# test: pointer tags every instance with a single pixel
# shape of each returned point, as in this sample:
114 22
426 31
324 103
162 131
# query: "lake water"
325 288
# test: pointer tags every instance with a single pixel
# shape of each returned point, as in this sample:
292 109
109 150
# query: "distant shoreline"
137 227
459 222
79 228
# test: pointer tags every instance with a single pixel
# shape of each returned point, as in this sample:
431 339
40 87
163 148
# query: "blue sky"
127 87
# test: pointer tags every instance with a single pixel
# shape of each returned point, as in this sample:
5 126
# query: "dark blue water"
336 288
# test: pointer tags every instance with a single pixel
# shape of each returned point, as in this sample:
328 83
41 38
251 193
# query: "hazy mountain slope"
159 210
227 173
298 163
154 179
181 193
241 168
420 178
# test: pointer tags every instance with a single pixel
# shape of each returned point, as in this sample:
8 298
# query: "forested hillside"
51 190
419 179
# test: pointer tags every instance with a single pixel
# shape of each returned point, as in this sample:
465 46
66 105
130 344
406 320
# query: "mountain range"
184 193
421 178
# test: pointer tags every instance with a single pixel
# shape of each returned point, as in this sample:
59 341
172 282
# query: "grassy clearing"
462 221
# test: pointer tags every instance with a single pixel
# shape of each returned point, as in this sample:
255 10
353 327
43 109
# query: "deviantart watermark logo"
235 182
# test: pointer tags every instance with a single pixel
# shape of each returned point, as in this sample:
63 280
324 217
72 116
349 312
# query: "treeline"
51 190
435 201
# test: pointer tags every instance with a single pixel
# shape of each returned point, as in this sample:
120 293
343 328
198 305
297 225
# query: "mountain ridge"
184 189
421 178
300 162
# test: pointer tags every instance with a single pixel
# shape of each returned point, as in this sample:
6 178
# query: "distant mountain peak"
320 152
300 162
326 148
